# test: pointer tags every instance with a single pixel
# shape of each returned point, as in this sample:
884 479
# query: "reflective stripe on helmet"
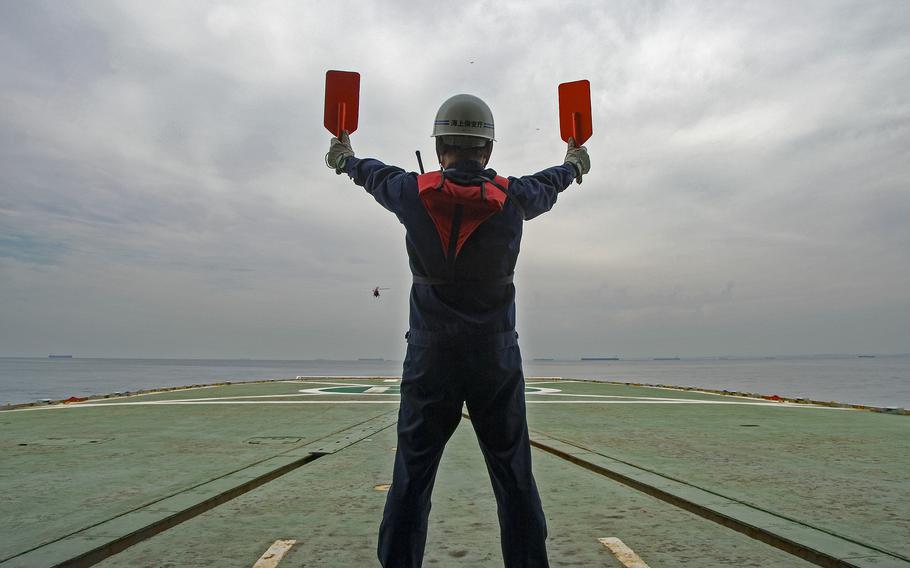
463 116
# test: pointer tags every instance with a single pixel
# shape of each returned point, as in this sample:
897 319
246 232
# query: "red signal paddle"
575 111
342 101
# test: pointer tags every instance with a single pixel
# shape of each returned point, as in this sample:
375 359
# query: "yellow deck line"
271 557
623 553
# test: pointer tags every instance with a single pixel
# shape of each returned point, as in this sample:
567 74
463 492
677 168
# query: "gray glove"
577 157
339 151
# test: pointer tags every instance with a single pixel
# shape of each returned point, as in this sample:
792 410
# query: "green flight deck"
294 473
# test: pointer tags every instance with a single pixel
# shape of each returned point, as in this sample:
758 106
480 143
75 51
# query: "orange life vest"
457 210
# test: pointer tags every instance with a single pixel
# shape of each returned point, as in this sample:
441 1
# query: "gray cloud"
162 189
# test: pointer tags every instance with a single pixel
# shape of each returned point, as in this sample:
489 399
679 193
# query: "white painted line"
395 401
182 403
541 390
238 397
305 392
681 389
391 380
558 393
693 402
715 399
368 391
271 557
307 377
623 553
373 389
347 384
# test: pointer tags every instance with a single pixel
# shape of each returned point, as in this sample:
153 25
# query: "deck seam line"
118 544
113 547
734 499
186 489
819 557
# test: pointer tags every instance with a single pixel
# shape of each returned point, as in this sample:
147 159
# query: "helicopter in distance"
377 289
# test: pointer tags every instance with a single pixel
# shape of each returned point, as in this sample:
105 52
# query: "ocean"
878 381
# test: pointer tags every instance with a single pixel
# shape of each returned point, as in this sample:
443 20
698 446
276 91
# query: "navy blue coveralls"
462 348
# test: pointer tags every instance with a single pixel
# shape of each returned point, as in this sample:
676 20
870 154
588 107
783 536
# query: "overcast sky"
163 192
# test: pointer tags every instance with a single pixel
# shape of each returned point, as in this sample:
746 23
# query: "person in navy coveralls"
463 228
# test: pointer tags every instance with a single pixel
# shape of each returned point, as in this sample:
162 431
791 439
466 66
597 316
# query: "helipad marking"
390 390
361 392
540 390
195 402
305 392
271 557
624 397
709 402
395 401
623 553
355 390
312 382
307 377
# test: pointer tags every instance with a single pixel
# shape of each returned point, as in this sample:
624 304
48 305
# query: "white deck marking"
193 402
619 396
391 380
396 401
540 390
542 378
663 401
271 557
238 397
368 390
307 377
347 384
371 390
311 382
623 553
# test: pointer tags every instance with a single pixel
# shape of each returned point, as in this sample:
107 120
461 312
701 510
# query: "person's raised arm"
537 193
384 183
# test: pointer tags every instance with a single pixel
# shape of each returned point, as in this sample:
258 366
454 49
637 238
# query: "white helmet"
464 120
